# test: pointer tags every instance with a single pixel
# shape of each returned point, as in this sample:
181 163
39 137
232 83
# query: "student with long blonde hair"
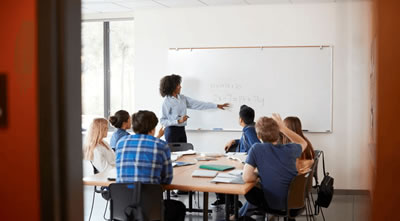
98 151
306 160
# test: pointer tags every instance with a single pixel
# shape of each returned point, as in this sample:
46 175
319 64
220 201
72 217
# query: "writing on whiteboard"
239 99
225 86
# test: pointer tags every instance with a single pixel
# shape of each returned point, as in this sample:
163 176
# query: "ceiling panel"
255 2
180 3
225 2
311 1
104 7
139 4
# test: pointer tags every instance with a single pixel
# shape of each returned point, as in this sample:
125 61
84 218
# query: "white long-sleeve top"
174 108
103 157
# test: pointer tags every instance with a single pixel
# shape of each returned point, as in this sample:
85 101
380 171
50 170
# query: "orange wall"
19 151
386 196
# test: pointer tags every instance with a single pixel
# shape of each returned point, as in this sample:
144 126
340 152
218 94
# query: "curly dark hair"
168 84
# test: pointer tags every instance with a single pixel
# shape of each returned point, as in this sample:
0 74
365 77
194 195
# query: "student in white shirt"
98 151
174 109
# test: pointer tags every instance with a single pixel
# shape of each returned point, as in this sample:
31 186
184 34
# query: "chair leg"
91 209
322 212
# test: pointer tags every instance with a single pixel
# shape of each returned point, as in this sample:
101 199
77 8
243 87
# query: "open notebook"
228 178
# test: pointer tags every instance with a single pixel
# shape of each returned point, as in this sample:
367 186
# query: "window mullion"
107 101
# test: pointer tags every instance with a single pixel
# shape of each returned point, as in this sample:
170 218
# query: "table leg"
168 195
190 201
205 206
227 205
235 206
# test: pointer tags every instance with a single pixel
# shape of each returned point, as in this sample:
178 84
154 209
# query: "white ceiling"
112 6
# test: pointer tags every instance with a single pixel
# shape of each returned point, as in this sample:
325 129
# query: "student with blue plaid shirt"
142 157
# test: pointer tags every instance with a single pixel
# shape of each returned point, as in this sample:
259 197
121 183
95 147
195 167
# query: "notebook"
216 167
180 163
204 173
228 178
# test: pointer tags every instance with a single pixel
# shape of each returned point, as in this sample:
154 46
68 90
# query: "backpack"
325 190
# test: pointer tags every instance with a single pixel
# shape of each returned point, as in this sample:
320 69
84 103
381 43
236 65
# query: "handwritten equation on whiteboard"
232 93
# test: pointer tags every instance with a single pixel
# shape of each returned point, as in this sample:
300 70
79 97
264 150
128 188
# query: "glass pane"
92 72
121 62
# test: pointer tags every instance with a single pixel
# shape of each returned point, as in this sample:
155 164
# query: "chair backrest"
315 165
180 146
148 196
297 192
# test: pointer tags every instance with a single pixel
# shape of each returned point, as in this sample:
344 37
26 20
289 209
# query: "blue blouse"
174 108
117 135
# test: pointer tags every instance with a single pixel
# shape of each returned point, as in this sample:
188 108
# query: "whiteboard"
292 81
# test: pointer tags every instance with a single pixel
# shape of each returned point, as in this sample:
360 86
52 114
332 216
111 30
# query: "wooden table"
184 181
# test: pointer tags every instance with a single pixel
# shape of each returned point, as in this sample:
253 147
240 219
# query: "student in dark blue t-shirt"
273 163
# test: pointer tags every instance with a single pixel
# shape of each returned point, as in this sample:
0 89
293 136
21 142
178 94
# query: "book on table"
204 173
217 167
228 178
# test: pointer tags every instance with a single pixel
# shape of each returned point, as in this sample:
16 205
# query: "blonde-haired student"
98 151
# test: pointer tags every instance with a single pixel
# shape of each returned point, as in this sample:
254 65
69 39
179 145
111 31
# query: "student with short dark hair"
122 121
174 109
142 157
273 163
249 135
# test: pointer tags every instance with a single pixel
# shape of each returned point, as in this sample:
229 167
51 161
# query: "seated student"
142 157
122 121
249 136
275 164
305 162
98 151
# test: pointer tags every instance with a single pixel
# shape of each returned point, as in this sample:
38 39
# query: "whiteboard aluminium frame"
262 47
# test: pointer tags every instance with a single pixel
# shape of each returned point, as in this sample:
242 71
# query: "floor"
343 208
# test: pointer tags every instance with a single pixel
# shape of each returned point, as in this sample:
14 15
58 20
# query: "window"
107 69
121 64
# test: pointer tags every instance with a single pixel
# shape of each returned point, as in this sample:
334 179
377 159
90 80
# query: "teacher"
174 108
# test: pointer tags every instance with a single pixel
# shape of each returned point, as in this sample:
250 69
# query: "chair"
143 202
183 147
318 154
103 191
180 146
296 198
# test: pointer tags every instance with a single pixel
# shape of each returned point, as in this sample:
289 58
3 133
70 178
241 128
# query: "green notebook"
216 167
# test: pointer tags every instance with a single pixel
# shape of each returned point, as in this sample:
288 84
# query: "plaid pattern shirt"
143 158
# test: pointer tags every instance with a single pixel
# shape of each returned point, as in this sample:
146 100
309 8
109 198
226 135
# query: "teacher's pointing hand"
222 106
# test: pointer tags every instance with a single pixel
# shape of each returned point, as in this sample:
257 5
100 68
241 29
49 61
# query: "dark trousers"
174 210
175 134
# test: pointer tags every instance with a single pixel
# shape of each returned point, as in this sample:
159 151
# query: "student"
174 108
305 162
249 135
97 150
275 164
122 121
142 157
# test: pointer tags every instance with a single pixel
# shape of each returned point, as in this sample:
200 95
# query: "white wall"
345 25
